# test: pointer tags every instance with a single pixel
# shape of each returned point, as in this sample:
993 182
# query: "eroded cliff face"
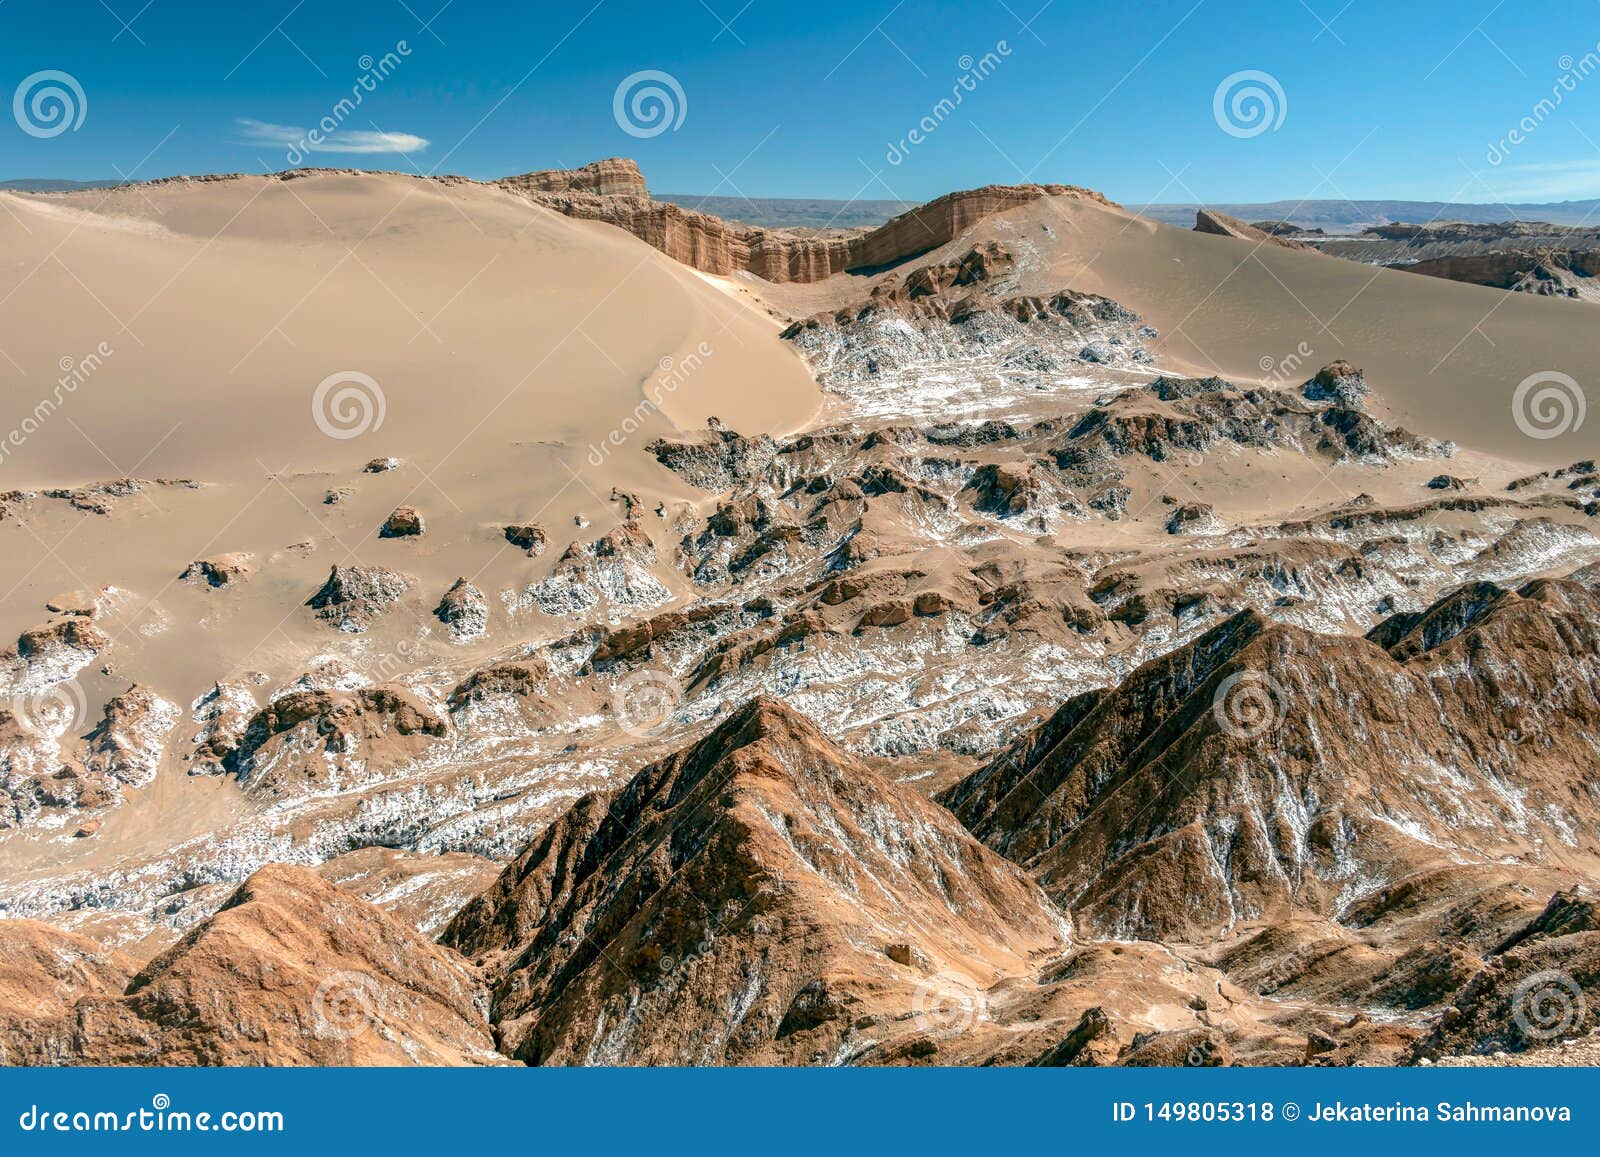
614 191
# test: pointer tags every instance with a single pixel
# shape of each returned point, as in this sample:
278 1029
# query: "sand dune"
182 329
1445 358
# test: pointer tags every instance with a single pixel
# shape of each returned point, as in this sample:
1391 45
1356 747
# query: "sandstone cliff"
614 191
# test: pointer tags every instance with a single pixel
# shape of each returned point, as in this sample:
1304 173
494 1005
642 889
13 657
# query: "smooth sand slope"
1443 357
505 340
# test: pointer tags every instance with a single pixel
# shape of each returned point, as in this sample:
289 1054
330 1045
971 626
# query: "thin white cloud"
339 141
1551 181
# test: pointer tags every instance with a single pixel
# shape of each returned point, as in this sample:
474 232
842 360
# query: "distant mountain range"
1354 216
821 213
1332 216
52 185
793 212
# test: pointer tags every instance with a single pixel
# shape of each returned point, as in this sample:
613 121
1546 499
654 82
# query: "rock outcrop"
128 743
354 596
464 610
529 537
1222 225
404 522
222 570
319 740
1541 988
291 971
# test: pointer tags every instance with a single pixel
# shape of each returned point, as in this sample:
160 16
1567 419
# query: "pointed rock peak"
764 717
1408 635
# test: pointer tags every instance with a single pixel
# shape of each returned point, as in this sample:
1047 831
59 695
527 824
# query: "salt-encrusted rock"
464 610
354 596
1338 382
130 739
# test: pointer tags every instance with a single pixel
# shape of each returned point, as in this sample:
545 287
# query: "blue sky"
1377 99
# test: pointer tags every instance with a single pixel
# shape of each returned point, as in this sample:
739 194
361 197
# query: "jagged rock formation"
291 971
322 740
718 459
464 610
1262 770
613 572
130 740
1520 256
1340 382
759 897
48 769
354 596
1540 988
49 654
614 192
611 177
963 316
